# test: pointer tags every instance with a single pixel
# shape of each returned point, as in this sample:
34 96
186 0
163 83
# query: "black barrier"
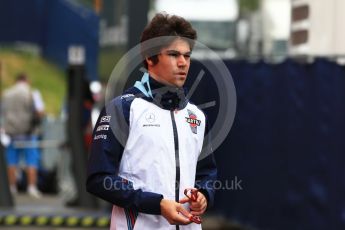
282 164
137 20
53 26
5 194
77 87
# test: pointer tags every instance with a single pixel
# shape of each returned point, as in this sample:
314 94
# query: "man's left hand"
197 207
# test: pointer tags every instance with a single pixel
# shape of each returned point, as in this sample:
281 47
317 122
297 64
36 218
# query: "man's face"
173 64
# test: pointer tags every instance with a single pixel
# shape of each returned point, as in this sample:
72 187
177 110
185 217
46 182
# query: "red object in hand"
195 219
192 194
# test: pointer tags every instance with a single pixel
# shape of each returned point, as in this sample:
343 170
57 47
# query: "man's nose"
181 61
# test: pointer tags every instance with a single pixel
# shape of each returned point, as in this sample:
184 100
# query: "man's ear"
149 61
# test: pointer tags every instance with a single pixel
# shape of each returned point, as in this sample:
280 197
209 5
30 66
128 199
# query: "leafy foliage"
249 5
43 75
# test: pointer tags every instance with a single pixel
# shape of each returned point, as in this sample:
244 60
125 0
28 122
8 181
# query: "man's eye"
173 54
177 54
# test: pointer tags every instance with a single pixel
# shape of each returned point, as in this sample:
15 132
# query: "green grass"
43 75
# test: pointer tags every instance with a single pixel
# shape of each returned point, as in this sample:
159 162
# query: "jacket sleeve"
206 171
104 161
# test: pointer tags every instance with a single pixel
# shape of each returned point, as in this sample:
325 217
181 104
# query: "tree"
248 5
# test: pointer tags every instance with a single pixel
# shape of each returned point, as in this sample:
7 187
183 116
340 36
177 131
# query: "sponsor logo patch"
193 121
127 96
150 118
102 127
151 125
101 136
105 119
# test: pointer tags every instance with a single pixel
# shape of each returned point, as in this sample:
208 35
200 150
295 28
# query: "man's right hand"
174 212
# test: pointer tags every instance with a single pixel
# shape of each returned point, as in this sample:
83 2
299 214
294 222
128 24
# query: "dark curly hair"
21 77
163 25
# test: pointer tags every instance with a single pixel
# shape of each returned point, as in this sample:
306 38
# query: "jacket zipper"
177 160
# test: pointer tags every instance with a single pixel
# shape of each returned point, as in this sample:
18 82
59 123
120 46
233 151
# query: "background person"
22 111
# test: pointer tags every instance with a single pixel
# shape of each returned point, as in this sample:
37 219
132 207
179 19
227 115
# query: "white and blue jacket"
146 146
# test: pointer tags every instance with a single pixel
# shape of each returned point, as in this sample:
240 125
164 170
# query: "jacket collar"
166 97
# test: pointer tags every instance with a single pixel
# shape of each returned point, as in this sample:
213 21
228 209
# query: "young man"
144 171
